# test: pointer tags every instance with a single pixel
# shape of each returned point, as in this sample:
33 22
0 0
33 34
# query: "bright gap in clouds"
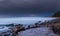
1 0
23 20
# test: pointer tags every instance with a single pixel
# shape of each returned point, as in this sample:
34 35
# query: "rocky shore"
15 30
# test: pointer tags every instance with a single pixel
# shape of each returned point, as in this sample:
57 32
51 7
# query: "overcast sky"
28 8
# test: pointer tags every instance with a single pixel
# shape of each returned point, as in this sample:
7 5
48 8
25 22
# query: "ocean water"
23 20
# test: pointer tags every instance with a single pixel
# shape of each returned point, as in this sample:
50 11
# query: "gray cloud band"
38 4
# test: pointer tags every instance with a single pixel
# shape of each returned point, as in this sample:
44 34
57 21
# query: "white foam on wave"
23 20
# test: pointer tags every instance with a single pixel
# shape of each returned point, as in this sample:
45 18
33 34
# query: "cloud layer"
39 4
28 6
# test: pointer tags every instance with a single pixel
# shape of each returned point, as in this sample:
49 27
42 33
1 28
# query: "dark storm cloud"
28 4
17 7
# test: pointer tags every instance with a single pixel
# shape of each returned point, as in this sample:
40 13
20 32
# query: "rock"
42 31
55 25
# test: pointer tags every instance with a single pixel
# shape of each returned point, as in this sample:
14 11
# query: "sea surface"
23 20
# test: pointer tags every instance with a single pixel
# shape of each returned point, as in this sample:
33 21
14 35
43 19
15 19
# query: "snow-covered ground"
43 31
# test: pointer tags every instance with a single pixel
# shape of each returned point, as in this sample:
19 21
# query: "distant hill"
56 14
